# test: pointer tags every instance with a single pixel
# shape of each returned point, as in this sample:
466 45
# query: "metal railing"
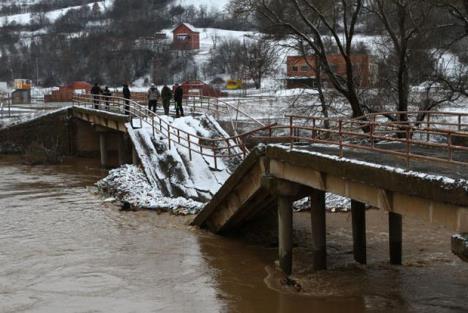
212 148
456 121
5 106
435 139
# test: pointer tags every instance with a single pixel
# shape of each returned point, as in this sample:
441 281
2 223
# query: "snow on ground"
216 4
25 18
129 184
447 183
168 169
26 115
334 203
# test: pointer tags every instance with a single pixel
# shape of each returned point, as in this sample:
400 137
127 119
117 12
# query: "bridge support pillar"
285 233
103 149
358 217
122 150
134 156
318 223
395 237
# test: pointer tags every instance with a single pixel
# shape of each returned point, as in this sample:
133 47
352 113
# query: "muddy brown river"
63 249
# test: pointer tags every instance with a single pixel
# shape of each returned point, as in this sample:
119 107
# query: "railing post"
449 144
189 147
291 133
229 147
459 121
178 135
169 136
340 134
214 155
313 129
371 134
428 123
152 124
408 147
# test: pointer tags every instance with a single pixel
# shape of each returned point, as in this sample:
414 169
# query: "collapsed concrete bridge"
271 178
373 168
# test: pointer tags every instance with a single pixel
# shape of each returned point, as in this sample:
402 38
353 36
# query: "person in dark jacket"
127 96
153 95
178 97
96 92
166 95
107 94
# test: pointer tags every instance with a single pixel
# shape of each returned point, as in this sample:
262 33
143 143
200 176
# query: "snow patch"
128 183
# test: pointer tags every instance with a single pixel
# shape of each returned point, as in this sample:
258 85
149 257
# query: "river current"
64 249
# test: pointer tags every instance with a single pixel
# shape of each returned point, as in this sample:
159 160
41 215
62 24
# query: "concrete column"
122 158
285 227
103 150
134 156
395 235
358 216
318 221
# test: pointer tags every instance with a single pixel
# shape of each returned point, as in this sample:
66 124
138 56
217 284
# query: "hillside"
58 41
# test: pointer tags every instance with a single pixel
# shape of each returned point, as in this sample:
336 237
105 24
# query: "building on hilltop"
185 37
302 73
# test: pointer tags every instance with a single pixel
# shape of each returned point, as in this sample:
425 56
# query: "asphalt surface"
451 170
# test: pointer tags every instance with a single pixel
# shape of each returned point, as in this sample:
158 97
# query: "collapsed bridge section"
272 178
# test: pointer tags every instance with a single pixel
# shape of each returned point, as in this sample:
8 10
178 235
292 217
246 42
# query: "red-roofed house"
185 37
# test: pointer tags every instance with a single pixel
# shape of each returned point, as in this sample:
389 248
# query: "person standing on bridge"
153 95
127 95
166 95
178 97
107 94
96 92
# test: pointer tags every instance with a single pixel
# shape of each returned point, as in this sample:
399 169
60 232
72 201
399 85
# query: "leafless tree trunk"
318 23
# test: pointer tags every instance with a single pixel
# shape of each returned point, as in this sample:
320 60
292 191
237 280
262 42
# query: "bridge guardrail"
342 133
215 148
411 142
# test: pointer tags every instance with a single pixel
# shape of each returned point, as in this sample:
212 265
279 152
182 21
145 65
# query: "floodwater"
62 249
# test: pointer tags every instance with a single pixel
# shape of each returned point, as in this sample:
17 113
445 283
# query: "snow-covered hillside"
217 4
52 16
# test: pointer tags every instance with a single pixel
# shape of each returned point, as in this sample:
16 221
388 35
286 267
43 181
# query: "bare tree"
314 22
404 21
259 58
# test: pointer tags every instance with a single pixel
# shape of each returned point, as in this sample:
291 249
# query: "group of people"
166 95
97 93
104 94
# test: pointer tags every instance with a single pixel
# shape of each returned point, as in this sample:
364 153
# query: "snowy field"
25 18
